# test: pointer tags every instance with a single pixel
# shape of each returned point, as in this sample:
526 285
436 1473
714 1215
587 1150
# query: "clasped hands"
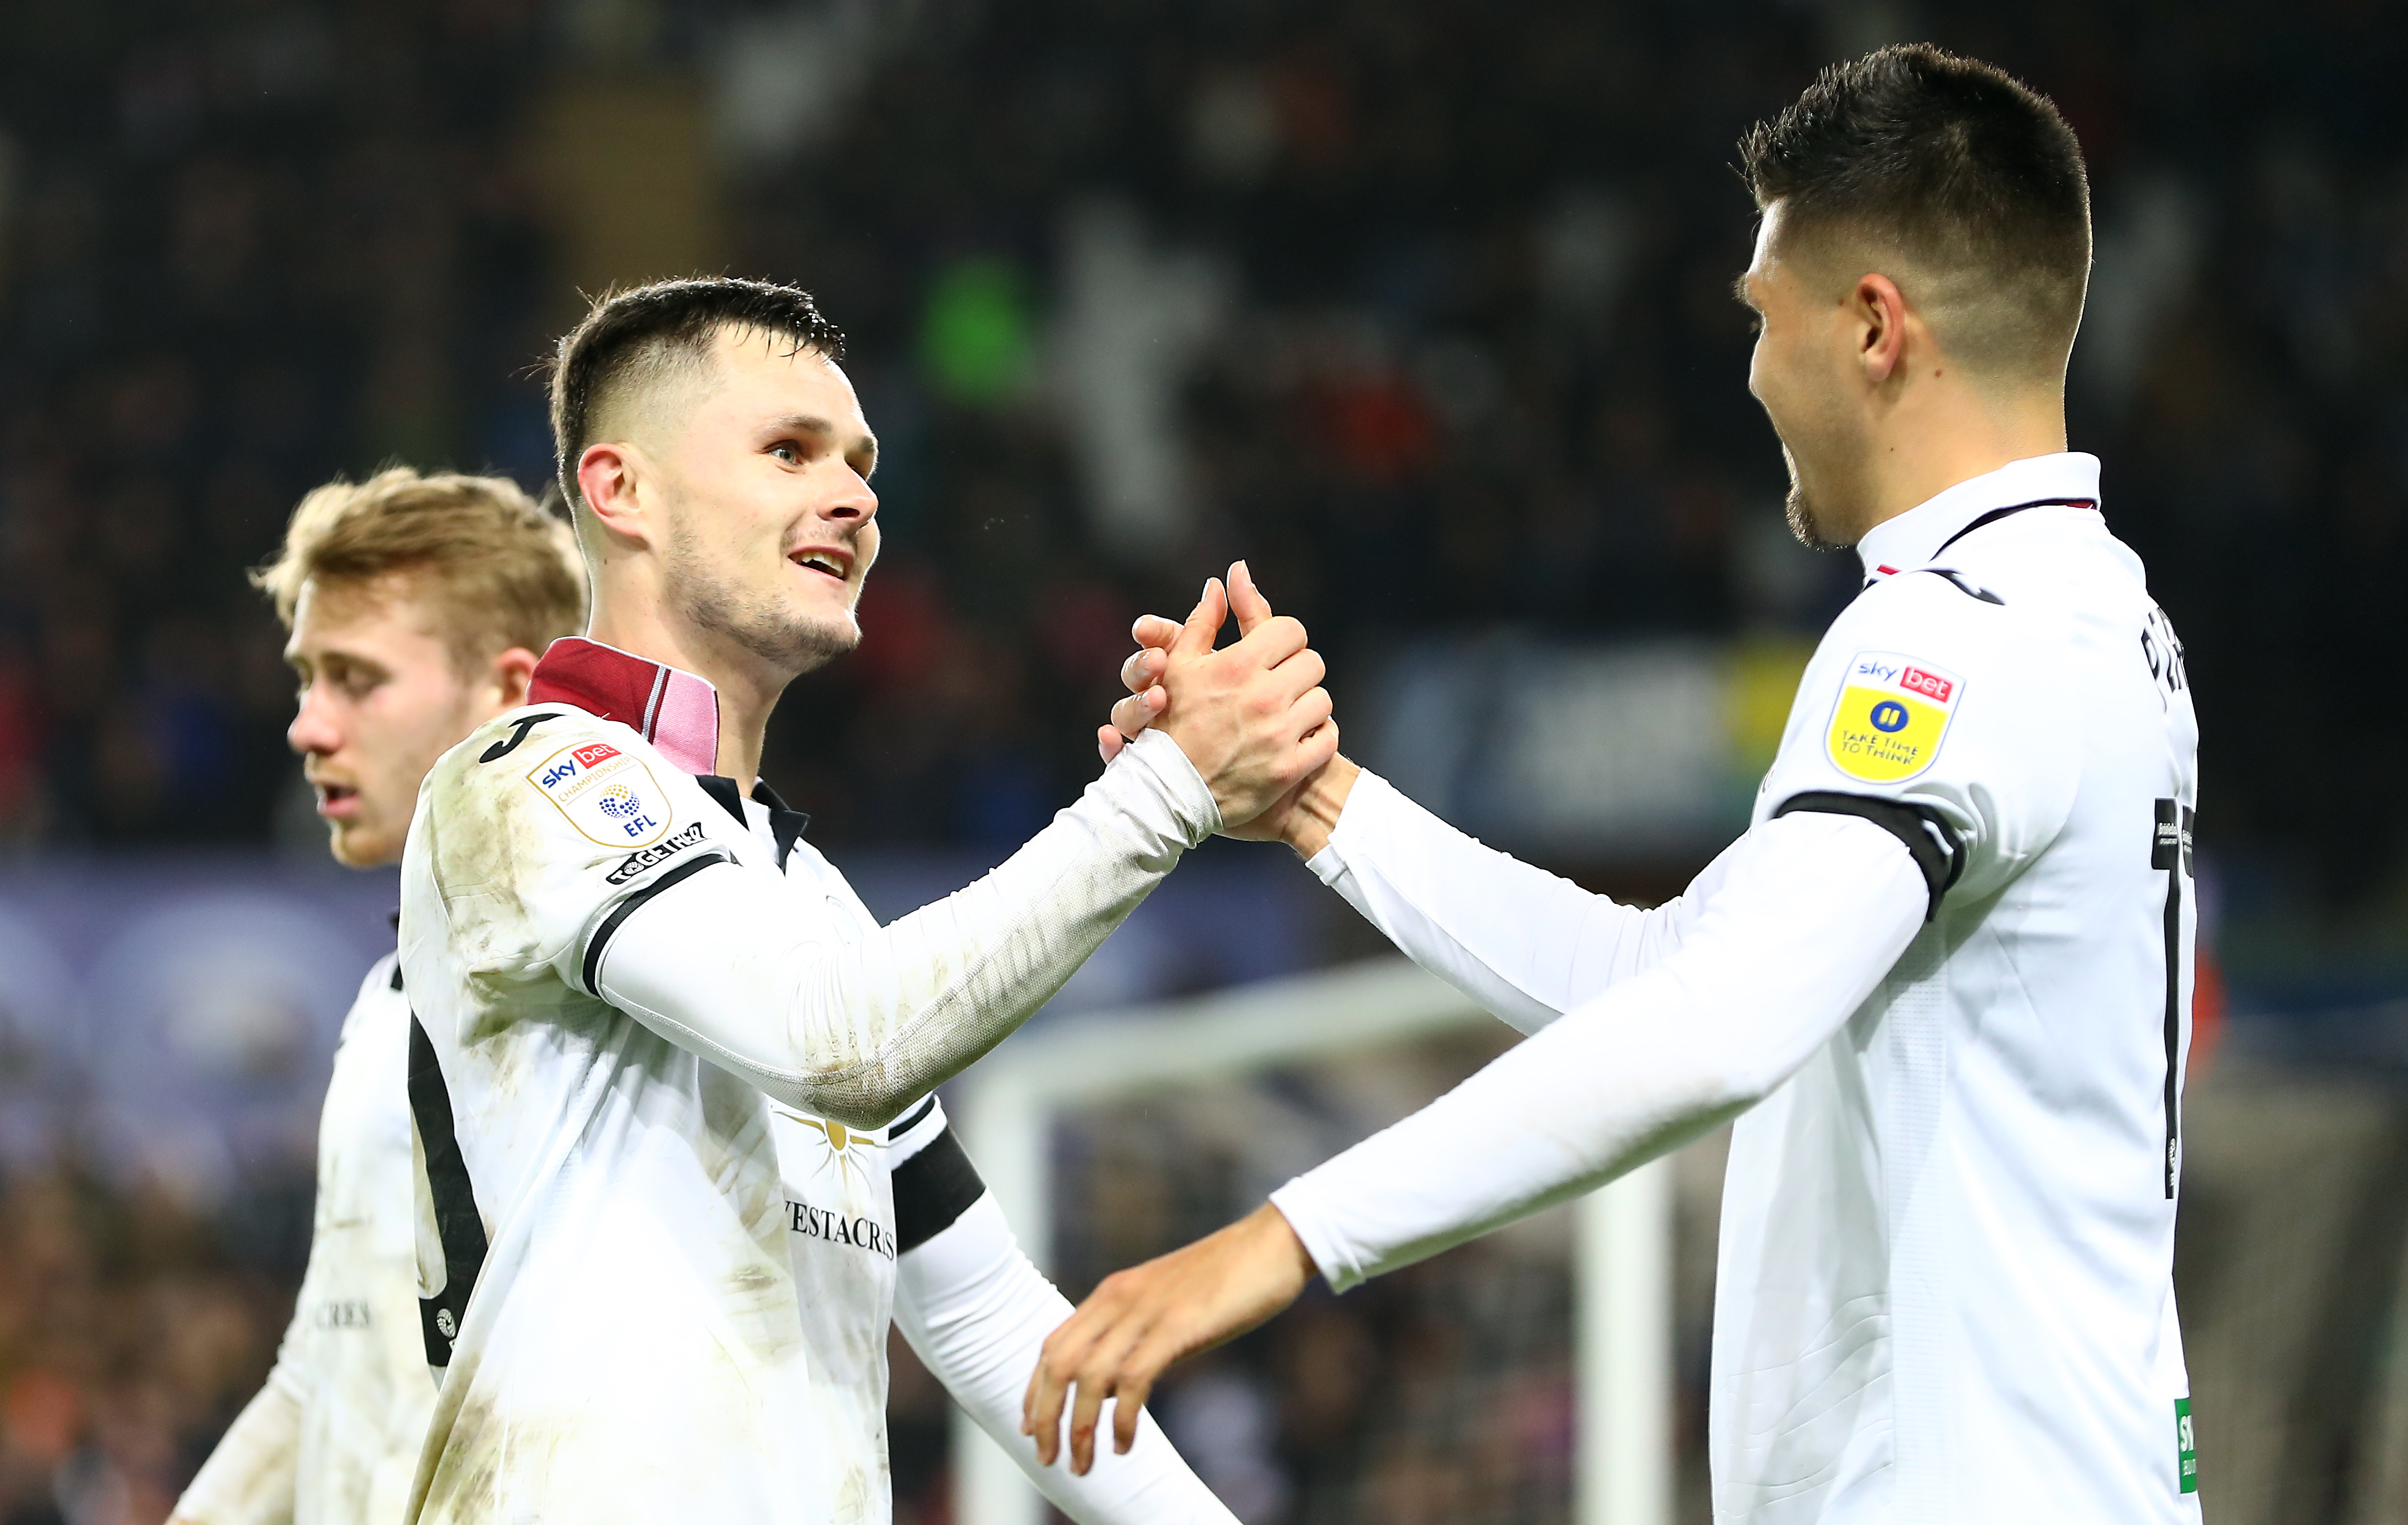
1276 773
1284 781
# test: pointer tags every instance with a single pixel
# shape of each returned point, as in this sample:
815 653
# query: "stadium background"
1422 306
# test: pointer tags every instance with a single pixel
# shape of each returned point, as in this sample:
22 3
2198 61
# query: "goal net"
1527 1377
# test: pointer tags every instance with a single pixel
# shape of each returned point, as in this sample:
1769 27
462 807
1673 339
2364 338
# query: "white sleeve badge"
610 797
1892 715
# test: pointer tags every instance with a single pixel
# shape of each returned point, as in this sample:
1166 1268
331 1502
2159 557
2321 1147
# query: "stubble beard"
1800 512
753 624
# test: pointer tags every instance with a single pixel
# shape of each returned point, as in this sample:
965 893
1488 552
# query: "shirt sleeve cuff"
1367 807
1175 781
1296 1202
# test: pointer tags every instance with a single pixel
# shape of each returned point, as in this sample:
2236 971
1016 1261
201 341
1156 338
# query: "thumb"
1246 600
1203 627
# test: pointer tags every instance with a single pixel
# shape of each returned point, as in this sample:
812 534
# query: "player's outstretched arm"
977 1312
1813 912
855 1030
1525 944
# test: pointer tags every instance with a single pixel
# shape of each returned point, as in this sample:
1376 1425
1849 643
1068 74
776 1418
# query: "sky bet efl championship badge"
605 794
1890 718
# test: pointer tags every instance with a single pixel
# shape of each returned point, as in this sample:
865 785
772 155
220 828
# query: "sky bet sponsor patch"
1892 713
609 796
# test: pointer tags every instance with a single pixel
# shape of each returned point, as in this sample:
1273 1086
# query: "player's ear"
1880 312
511 673
606 475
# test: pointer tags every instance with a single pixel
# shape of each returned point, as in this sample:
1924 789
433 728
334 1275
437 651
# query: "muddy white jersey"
333 1439
658 1048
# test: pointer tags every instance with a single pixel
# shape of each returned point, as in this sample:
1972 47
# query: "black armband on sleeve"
1926 835
932 1189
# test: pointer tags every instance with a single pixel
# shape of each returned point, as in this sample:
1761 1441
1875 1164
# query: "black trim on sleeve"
602 935
519 730
932 1189
462 1228
910 1119
725 793
1926 837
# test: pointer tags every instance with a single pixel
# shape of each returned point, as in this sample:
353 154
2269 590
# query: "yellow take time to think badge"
1892 713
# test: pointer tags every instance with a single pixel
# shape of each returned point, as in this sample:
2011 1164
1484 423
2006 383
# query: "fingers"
1049 1386
1132 715
1144 669
1154 630
1109 742
1311 709
1128 1405
1319 746
1274 640
1246 601
1203 626
1302 673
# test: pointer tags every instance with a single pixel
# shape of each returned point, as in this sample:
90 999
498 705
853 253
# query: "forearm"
1526 945
857 1030
1813 912
977 1312
249 1478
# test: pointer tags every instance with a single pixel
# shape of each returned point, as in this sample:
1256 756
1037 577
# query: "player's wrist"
1309 823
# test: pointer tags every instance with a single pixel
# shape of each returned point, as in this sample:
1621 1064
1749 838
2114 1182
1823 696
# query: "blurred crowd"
131 1332
1421 304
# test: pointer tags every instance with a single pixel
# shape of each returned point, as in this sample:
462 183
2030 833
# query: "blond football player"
417 607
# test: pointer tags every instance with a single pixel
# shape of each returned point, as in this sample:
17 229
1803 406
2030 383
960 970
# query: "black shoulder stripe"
519 730
627 907
1926 835
932 1189
1970 589
461 1227
910 1119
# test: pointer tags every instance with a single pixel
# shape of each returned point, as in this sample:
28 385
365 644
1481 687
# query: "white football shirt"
332 1438
656 1297
1945 1288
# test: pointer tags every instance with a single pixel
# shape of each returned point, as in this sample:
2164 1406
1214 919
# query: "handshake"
1253 717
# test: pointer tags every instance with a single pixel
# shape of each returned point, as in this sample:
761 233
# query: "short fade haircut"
500 571
1968 174
636 338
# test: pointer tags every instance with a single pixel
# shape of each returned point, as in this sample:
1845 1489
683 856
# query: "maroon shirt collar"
674 710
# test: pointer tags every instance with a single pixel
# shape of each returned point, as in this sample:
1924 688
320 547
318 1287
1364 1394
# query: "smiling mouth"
822 562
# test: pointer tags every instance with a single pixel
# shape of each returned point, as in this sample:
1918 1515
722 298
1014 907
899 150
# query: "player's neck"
1950 433
747 692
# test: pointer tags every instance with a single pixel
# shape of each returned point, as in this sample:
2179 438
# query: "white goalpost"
1622 1246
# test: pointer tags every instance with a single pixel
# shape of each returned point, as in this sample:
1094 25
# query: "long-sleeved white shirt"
619 979
1945 1288
333 1437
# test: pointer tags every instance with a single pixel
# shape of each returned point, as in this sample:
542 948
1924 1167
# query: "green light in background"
974 338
